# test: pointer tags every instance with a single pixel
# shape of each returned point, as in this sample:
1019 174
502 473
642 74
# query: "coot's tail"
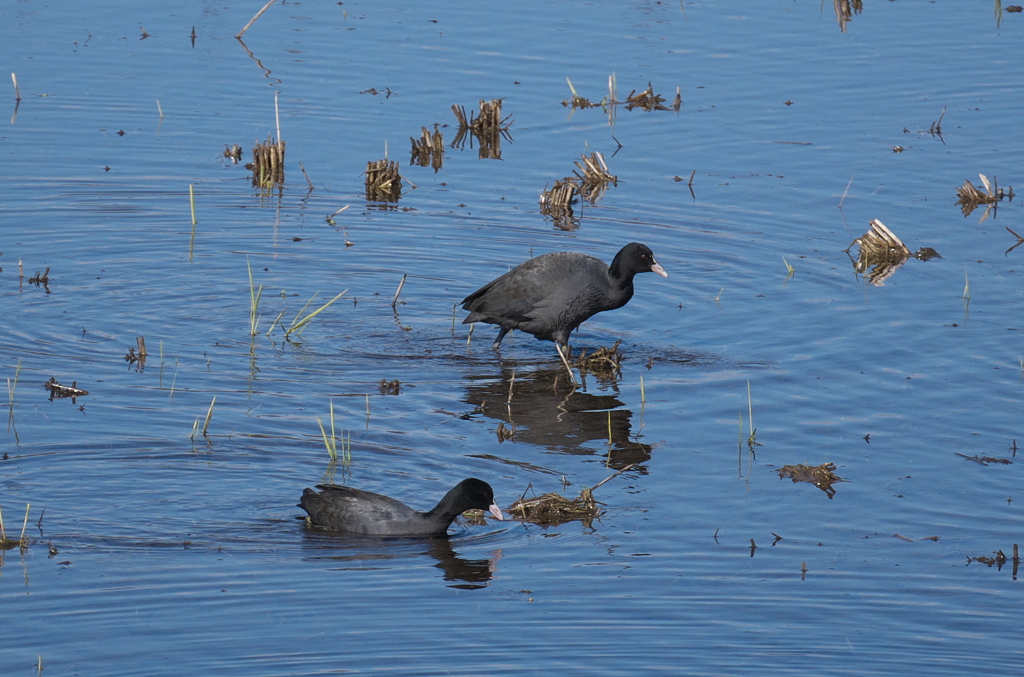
312 502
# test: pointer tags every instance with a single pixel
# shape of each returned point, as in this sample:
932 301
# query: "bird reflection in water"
362 553
547 411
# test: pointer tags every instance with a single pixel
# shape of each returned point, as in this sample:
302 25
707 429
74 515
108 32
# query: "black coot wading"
355 511
551 295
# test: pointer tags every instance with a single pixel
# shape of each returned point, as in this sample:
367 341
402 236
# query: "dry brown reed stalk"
428 150
267 163
251 21
309 181
383 182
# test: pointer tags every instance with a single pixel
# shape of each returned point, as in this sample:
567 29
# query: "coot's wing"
525 293
347 509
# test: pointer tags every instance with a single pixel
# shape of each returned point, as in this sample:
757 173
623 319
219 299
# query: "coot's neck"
621 279
447 509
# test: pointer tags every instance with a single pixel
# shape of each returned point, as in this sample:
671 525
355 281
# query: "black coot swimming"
551 295
355 511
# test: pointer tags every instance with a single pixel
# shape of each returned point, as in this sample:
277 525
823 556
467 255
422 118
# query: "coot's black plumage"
551 295
355 511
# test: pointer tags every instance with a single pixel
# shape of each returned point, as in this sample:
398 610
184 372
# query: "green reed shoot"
331 441
608 458
643 395
967 287
206 424
789 269
752 440
209 415
254 302
11 385
192 202
298 325
21 539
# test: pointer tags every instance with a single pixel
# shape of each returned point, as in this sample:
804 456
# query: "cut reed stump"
383 182
428 150
267 163
559 199
488 127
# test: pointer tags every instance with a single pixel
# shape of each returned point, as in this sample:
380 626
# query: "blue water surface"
152 549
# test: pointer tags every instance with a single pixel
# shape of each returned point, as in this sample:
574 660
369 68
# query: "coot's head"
478 494
635 258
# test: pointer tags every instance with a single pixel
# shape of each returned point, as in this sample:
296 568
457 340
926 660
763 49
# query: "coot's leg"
501 335
558 347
